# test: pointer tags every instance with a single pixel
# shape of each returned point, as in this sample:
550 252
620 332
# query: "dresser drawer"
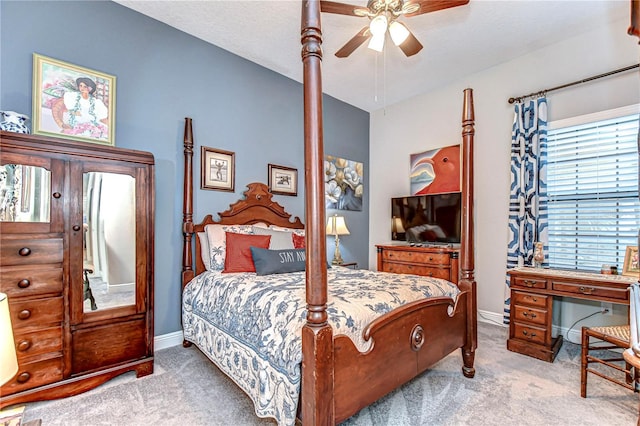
584 289
403 268
522 282
530 315
34 374
530 333
23 281
36 313
29 251
528 299
32 343
415 256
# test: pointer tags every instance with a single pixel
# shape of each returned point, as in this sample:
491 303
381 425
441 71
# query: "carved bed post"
187 206
317 335
467 280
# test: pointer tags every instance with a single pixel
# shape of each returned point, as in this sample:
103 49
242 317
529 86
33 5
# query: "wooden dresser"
76 221
532 292
436 261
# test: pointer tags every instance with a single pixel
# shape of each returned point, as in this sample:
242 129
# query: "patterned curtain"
528 196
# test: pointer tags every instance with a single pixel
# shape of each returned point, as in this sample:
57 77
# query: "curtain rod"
595 77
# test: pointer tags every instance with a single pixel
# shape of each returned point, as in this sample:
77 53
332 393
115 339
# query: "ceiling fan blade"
427 6
362 36
342 8
411 45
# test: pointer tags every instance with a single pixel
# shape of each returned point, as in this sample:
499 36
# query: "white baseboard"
491 318
167 340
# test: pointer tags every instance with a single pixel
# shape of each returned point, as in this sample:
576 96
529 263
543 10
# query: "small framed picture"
73 102
218 169
631 264
283 180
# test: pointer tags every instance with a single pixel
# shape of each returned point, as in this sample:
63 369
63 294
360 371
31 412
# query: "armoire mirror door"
104 228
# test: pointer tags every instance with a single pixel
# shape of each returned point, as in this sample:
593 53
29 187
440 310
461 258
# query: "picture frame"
73 102
631 263
283 180
218 169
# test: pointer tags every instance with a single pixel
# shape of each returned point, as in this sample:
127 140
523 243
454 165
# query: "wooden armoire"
76 262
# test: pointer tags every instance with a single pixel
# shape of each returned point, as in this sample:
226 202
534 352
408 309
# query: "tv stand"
438 261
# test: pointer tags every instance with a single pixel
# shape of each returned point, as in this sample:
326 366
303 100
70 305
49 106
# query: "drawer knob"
24 251
529 314
76 228
24 314
430 257
586 290
24 345
23 377
24 283
529 283
57 195
530 335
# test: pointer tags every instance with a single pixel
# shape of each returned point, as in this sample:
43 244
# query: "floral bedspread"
250 326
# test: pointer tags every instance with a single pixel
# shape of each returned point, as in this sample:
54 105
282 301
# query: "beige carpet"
186 389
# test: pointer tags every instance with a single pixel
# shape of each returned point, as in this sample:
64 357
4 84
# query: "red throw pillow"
298 241
238 257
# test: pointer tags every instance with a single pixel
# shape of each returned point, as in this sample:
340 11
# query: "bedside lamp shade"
396 227
8 360
337 226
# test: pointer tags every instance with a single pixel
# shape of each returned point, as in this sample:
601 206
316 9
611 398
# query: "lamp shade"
398 32
337 226
8 359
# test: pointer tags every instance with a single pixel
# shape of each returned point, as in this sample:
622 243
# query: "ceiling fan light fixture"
378 25
398 32
377 42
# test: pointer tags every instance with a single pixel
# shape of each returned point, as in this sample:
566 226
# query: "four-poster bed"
344 361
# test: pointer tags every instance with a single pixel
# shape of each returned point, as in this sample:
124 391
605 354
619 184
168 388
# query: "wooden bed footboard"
405 343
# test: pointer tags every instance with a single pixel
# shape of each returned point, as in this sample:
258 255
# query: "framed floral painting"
343 183
631 262
73 102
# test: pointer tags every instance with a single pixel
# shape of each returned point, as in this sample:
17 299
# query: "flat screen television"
427 219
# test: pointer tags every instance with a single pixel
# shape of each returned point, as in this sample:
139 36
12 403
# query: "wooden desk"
532 291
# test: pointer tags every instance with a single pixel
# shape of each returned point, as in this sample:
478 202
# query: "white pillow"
281 228
280 240
204 250
218 242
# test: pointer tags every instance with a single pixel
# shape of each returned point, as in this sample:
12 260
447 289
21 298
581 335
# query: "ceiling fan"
383 15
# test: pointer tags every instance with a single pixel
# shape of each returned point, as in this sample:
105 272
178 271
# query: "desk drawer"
530 333
528 282
529 299
416 257
530 315
590 291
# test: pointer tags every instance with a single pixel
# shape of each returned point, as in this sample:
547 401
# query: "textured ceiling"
457 42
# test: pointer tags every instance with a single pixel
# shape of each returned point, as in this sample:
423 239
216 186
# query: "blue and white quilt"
250 326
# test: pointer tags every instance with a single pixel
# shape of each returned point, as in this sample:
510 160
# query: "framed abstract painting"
435 171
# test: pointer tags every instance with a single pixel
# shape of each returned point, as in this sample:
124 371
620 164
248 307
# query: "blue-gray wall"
164 75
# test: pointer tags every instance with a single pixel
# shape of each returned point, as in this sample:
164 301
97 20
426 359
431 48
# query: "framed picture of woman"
73 102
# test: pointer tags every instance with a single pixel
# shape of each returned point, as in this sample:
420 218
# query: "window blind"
592 187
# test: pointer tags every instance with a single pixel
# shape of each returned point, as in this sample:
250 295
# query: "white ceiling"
457 42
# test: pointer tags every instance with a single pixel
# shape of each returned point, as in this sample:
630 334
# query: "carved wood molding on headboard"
258 206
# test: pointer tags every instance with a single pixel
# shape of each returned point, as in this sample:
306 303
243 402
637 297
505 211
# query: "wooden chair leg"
583 363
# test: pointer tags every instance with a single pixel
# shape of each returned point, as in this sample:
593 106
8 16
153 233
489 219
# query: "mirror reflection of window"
109 222
24 193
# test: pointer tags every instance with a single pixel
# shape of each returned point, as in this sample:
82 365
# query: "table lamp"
337 226
8 359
